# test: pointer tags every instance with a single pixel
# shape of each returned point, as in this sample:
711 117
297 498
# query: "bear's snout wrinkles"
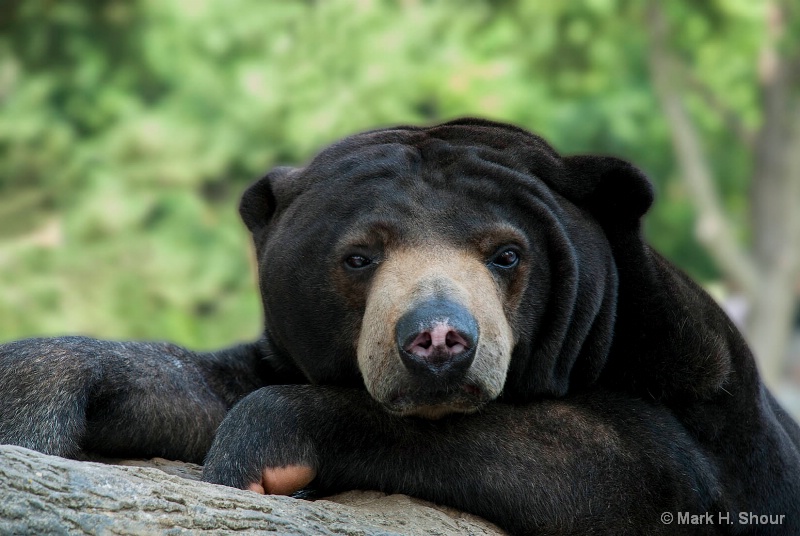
437 340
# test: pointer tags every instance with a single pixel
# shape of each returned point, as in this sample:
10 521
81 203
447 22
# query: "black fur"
629 392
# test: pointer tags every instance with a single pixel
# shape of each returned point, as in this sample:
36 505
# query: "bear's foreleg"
73 396
599 464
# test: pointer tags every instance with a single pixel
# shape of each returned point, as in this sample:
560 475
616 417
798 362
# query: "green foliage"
128 129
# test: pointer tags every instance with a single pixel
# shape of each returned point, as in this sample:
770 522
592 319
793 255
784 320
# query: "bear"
458 313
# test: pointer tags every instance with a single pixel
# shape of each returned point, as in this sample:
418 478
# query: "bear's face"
437 266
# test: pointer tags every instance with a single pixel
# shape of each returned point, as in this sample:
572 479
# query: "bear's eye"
357 261
506 259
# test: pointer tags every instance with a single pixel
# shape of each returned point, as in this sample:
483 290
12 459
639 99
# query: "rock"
44 495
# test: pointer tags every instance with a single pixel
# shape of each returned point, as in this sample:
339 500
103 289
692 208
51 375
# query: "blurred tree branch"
730 116
769 270
714 230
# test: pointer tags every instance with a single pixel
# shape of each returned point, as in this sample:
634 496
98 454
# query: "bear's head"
445 266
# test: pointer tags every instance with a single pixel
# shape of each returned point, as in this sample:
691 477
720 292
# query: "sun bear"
457 313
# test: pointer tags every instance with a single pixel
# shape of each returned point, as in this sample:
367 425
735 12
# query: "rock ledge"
49 495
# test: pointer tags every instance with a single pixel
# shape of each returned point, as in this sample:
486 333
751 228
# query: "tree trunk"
49 495
768 272
775 203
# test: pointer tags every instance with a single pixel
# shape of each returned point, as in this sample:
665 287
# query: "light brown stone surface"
42 495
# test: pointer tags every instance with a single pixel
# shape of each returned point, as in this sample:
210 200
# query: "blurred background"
129 129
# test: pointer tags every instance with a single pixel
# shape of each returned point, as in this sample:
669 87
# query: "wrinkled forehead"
452 182
453 148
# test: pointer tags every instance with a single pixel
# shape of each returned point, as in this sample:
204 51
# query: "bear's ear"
258 202
613 190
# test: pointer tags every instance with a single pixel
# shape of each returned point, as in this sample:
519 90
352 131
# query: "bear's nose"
437 339
442 340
